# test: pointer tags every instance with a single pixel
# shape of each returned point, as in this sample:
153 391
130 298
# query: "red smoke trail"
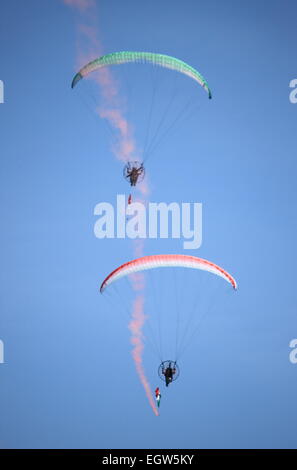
89 48
136 324
124 149
81 5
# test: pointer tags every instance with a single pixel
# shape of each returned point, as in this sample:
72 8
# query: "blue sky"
68 379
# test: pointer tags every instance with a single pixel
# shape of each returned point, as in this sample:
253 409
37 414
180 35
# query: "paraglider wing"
163 261
124 57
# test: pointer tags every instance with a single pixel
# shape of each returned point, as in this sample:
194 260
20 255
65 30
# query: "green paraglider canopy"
124 57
